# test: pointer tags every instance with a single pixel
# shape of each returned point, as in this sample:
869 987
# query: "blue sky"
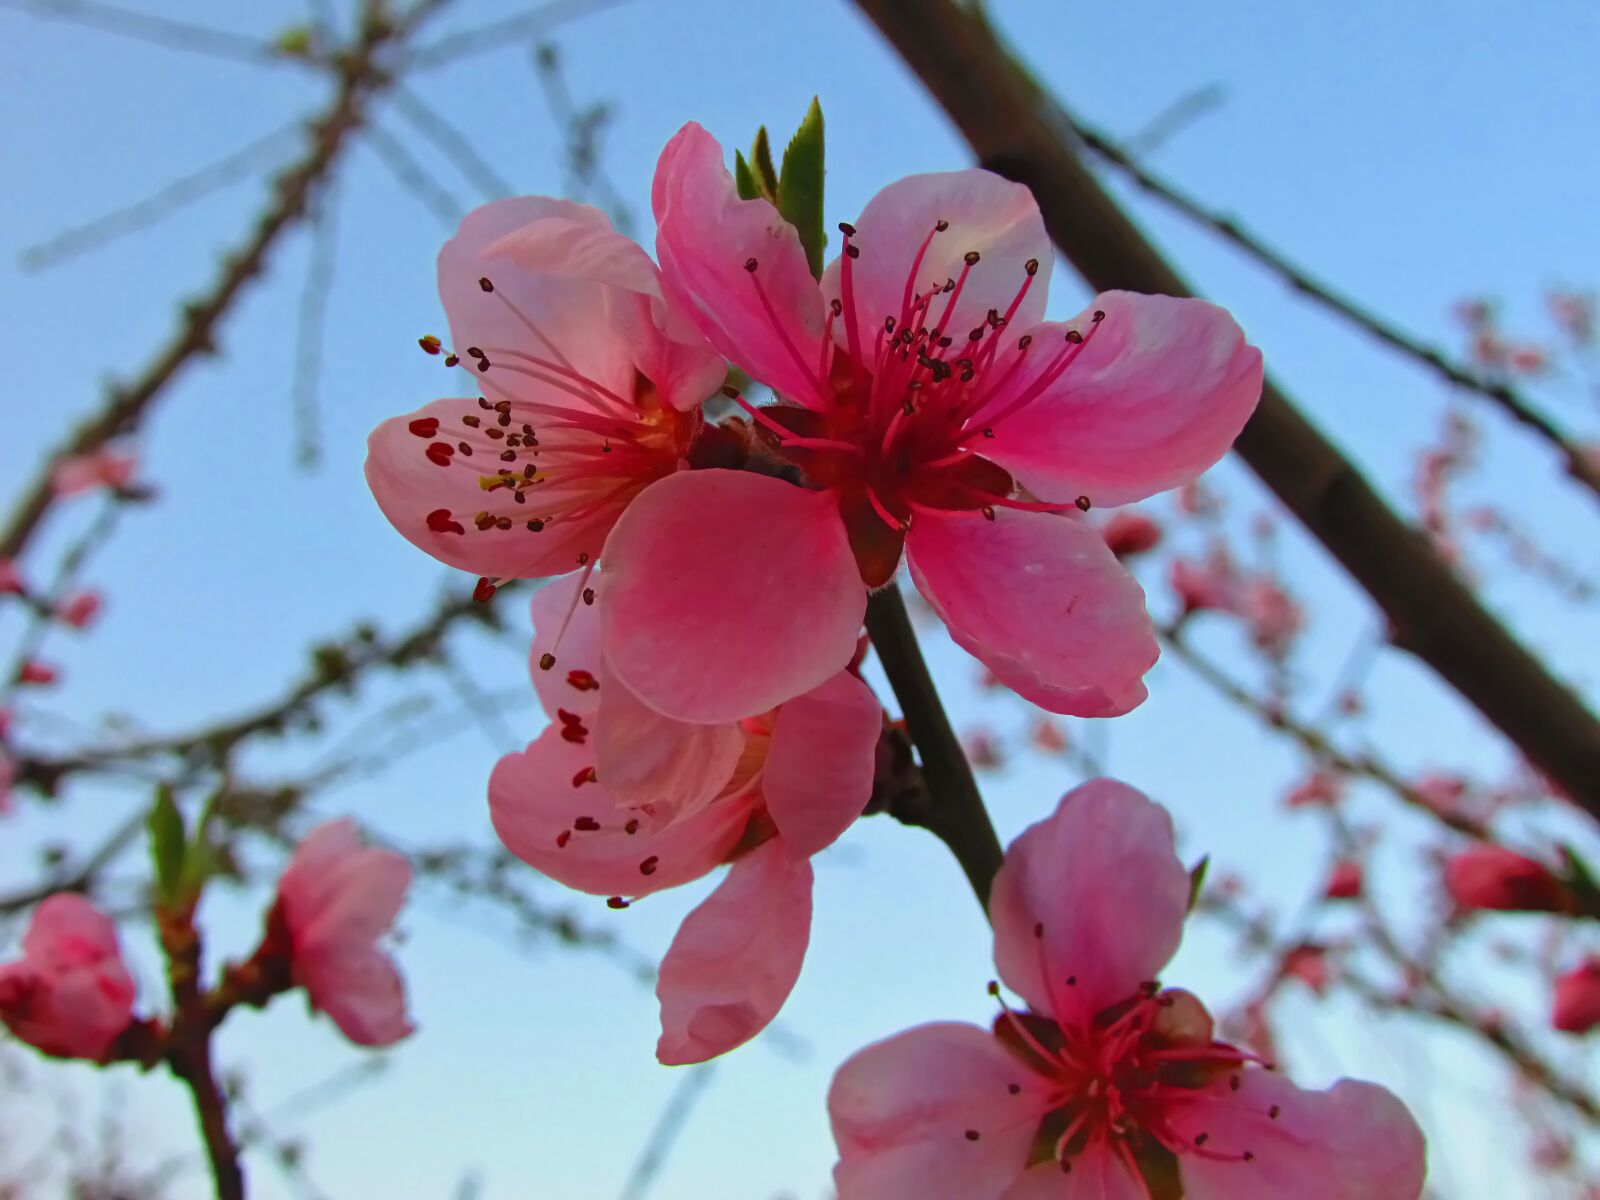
1408 154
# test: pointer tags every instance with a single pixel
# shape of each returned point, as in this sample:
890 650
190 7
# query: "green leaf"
167 844
761 162
1197 880
749 189
201 861
800 185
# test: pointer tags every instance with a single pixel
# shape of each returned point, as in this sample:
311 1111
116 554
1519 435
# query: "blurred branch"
310 323
511 31
1508 399
1175 118
582 161
148 210
1021 132
456 144
413 177
674 1117
153 30
360 74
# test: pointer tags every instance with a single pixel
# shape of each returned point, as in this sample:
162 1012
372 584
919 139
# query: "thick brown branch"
953 811
1022 132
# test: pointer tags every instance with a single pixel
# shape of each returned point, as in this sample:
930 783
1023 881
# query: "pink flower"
336 899
99 468
1130 532
80 609
1211 584
1309 964
617 800
1492 877
1272 614
928 410
11 579
1106 1088
1344 881
1577 998
1319 789
1574 312
70 995
591 385
37 673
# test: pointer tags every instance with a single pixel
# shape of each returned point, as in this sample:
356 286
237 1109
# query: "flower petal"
1097 1174
1355 1141
431 502
901 1110
1042 602
1157 396
705 238
537 803
645 758
986 213
726 593
736 957
568 630
819 769
664 344
361 990
1095 893
558 317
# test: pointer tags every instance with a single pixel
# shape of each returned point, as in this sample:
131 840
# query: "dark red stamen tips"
586 824
1083 503
485 284
546 661
440 453
750 264
424 427
430 344
648 866
440 521
616 902
582 681
584 776
484 591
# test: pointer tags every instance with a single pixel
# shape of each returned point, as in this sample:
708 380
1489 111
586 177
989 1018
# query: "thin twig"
310 326
153 30
456 144
511 31
672 1121
413 177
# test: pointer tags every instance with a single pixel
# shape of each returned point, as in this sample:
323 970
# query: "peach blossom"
70 995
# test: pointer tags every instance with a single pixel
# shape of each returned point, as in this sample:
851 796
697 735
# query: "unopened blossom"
1129 532
1492 877
39 674
1320 789
1309 964
80 609
336 900
616 800
1574 313
101 468
925 409
1271 614
1211 584
1344 881
11 579
70 994
1107 1086
585 383
1577 998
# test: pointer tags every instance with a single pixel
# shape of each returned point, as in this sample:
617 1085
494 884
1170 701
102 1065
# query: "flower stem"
954 811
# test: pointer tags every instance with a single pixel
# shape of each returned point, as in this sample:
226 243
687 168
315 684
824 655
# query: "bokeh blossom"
70 994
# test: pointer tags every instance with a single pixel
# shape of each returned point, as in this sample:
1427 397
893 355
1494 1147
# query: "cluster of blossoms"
71 994
699 665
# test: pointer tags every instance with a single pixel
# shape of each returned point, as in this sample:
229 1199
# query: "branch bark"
1020 131
953 809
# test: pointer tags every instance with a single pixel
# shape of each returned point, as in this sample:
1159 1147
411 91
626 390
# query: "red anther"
485 284
648 866
1099 315
576 734
1083 503
584 776
582 681
546 661
563 838
1074 336
616 902
452 360
430 344
484 591
424 427
586 824
588 595
852 251
941 225
440 453
535 525
568 718
631 827
847 229
988 512
440 521
1032 266
971 258
750 264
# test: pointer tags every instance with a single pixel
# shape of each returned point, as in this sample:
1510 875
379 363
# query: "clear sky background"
1412 154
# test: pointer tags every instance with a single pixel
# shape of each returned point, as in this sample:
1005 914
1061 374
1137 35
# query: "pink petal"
705 237
1102 877
568 311
535 805
1354 1141
568 630
362 991
663 343
901 1110
646 758
67 930
410 488
986 213
727 593
819 769
1041 601
736 957
1097 1174
1156 397
362 895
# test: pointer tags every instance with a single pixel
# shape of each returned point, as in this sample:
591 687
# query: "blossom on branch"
103 468
336 899
1106 1086
616 800
925 408
1577 998
1492 877
590 387
70 995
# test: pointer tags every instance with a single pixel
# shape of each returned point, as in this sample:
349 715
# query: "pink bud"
80 609
1308 964
1577 1000
1320 788
100 468
1344 881
1130 532
1492 877
70 995
336 899
37 673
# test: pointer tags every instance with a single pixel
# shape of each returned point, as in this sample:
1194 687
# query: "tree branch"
953 811
1021 132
